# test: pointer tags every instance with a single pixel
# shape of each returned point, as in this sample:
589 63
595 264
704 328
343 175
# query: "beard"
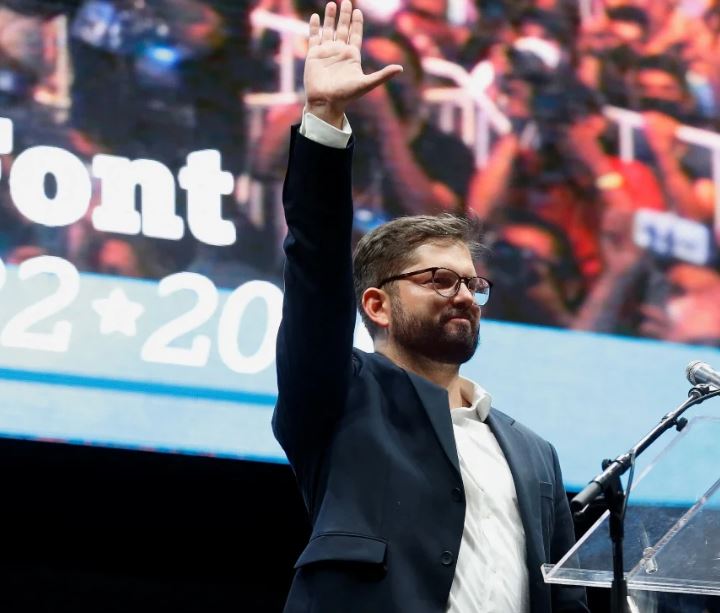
437 340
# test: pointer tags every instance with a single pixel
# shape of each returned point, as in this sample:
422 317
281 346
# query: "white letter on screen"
27 186
205 183
117 212
229 327
6 135
159 346
17 331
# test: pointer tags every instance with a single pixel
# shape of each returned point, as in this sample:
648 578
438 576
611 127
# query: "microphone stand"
608 489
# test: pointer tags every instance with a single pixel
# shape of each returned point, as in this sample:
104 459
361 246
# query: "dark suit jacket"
372 445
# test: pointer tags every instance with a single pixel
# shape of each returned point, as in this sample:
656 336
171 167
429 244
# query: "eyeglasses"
447 282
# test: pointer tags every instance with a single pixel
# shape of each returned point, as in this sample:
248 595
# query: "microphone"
699 373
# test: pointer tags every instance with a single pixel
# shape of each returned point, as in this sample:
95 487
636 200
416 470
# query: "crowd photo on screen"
581 135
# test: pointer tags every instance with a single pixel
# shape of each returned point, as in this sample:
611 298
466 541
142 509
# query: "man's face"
626 33
444 330
659 91
528 271
660 85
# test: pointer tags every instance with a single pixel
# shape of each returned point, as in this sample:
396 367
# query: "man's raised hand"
333 73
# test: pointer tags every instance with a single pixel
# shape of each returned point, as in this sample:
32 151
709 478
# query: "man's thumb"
379 77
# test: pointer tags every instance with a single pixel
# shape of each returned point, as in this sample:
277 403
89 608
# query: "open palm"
333 72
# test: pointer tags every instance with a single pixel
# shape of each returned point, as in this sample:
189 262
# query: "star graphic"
117 313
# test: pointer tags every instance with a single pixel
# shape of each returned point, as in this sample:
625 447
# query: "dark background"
87 529
101 530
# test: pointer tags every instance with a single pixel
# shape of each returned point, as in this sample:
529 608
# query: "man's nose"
464 295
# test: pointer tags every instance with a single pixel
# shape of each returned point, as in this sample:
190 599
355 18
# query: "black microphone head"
692 369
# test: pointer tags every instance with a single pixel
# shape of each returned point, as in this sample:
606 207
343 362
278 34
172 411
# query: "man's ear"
376 304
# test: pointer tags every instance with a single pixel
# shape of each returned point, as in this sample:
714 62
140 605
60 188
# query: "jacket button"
457 494
447 557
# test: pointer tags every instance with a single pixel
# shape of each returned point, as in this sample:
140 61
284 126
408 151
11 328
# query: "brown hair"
386 250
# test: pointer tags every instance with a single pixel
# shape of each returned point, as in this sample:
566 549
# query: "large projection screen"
142 150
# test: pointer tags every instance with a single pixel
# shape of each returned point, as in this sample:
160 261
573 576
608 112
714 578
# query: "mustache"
472 315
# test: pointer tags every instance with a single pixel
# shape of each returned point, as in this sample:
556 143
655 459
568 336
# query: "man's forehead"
444 253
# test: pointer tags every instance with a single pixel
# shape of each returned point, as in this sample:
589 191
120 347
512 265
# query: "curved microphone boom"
699 373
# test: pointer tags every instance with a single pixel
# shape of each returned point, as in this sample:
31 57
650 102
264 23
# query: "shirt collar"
480 400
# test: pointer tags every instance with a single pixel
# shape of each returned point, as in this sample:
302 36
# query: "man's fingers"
371 81
655 322
328 31
343 26
314 38
356 29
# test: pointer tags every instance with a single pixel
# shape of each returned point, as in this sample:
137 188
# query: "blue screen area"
591 395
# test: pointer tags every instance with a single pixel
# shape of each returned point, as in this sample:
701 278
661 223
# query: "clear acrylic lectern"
669 546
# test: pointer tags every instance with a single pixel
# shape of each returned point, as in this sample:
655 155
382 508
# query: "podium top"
668 547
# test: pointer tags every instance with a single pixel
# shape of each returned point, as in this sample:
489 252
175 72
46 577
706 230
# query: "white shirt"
491 574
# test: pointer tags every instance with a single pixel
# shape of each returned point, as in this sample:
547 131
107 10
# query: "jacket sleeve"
314 344
565 598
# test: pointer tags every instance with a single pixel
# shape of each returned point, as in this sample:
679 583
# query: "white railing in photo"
629 121
479 115
289 29
463 108
590 9
449 100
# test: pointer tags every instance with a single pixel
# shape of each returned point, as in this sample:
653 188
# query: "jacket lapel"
435 402
515 448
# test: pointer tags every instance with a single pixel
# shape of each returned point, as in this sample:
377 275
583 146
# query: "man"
414 508
568 179
683 171
536 277
403 164
406 165
172 93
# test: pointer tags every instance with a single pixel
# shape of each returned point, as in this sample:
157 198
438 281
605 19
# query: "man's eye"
444 281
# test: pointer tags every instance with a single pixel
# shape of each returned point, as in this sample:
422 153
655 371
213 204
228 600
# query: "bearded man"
422 498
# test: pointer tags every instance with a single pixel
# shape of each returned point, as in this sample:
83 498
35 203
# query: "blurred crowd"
588 160
155 80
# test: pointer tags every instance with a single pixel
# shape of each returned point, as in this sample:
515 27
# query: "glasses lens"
481 288
445 282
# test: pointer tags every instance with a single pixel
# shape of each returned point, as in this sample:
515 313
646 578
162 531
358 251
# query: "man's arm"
417 192
489 185
623 266
315 338
680 192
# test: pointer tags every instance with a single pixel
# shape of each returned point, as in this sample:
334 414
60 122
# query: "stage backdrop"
143 151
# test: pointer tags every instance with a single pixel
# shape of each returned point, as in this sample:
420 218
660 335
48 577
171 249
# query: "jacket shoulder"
525 430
